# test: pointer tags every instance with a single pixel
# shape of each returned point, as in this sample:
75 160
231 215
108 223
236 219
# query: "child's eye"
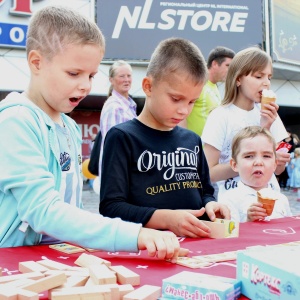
92 76
175 99
72 73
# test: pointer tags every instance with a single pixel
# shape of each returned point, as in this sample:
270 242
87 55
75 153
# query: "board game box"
192 285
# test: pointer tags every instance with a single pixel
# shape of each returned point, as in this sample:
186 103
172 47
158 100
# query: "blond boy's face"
256 162
170 100
64 81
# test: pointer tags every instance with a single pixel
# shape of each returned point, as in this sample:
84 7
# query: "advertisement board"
284 24
133 28
15 15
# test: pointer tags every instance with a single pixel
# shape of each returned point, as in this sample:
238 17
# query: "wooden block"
125 289
16 283
75 281
27 295
84 260
31 275
145 292
114 290
68 273
90 282
8 294
81 270
53 265
82 292
46 283
126 276
31 266
101 274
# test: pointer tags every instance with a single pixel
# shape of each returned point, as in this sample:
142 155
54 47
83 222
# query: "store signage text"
199 20
12 34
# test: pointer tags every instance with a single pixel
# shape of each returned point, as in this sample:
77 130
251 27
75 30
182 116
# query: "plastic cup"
268 203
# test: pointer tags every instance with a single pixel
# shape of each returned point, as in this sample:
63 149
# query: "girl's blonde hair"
52 28
245 62
113 71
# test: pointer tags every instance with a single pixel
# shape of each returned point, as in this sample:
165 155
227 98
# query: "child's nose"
183 110
85 84
258 161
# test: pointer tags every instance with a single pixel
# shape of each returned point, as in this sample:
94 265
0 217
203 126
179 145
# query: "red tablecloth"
151 270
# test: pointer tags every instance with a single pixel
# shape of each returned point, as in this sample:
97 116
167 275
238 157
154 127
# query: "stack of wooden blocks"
91 278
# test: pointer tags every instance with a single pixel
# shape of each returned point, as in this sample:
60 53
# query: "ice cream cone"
268 203
266 100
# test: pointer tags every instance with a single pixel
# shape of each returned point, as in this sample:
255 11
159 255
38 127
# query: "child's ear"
34 61
147 85
233 165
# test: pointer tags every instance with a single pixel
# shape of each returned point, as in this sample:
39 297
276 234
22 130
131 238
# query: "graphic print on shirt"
65 161
180 166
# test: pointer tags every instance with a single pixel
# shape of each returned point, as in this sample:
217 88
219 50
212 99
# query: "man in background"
217 63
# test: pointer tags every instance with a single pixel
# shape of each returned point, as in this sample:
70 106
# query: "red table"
151 270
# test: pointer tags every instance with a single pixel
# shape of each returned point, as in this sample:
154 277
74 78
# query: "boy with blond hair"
254 158
40 178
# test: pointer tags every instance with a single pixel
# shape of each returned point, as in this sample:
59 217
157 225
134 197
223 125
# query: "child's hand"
217 210
256 212
162 244
282 158
268 115
186 223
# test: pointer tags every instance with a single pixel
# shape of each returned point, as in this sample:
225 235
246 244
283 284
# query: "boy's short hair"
175 54
250 132
219 54
54 27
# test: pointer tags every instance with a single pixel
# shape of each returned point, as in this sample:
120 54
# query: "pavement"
91 200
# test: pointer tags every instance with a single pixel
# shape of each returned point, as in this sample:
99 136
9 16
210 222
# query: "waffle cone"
268 203
266 100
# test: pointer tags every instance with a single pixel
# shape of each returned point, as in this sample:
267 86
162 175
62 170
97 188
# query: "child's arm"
217 171
256 212
181 222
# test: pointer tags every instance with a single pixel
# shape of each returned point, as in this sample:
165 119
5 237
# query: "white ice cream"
268 193
268 93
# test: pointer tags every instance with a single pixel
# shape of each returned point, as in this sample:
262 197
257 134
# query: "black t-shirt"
145 169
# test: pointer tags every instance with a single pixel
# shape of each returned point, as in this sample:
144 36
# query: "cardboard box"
221 228
270 273
191 285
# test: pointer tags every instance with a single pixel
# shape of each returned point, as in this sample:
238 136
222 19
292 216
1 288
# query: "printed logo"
182 158
65 161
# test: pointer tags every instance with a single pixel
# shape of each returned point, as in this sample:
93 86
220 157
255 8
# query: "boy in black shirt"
155 172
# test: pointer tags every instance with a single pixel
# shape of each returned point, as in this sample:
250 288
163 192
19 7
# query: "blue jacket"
30 177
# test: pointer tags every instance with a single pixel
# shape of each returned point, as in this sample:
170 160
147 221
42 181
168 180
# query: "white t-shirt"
223 123
239 199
